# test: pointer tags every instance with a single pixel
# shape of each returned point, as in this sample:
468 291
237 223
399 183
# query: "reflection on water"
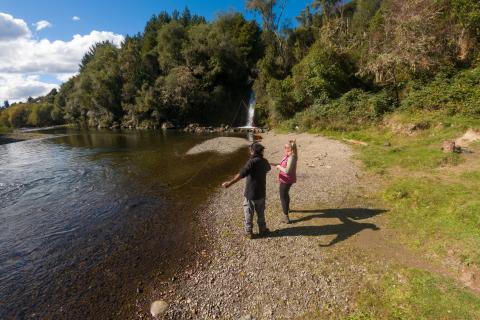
86 216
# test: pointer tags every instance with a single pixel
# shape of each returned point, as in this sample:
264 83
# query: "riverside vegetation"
400 76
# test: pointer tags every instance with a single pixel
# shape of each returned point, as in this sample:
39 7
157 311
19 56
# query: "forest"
344 65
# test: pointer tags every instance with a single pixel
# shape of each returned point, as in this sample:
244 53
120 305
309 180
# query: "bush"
34 114
40 115
323 74
18 115
458 94
355 109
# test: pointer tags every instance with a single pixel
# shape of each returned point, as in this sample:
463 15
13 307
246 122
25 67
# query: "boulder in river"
167 125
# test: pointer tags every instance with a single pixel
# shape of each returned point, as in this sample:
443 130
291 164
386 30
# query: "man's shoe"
286 219
249 235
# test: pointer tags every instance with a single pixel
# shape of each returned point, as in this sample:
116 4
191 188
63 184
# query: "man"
255 170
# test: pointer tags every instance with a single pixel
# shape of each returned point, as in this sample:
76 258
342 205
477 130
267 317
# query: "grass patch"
437 215
414 294
418 152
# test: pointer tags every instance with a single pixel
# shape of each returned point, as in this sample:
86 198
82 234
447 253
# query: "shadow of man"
343 231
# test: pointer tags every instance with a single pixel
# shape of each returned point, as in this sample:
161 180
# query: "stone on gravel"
158 308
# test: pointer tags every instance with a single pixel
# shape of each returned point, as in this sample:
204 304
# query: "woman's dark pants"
285 197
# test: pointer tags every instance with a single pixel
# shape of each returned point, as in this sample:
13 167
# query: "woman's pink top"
291 176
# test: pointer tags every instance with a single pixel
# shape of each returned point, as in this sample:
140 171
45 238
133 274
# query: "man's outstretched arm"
235 179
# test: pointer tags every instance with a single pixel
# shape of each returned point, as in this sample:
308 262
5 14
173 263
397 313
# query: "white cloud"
42 24
75 18
64 77
11 28
18 87
45 56
23 59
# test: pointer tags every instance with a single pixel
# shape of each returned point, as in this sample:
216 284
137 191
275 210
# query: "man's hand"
226 184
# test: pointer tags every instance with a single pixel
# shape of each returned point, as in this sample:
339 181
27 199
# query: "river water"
89 217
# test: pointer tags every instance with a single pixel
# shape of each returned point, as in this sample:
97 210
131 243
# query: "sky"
43 41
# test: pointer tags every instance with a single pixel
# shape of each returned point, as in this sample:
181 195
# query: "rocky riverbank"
21 136
196 128
299 267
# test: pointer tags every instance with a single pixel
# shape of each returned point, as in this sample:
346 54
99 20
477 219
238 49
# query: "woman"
287 176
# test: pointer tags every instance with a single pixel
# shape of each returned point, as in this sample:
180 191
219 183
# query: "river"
89 217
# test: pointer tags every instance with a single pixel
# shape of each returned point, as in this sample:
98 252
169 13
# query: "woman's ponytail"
293 145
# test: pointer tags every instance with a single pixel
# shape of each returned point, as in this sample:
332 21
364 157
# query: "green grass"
418 152
414 294
438 216
4 129
400 293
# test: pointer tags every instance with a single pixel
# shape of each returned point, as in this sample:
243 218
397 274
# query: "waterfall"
251 111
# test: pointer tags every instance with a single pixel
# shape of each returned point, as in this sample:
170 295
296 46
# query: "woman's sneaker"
286 219
263 232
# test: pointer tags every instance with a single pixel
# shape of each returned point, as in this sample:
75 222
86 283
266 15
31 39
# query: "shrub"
323 74
354 109
458 94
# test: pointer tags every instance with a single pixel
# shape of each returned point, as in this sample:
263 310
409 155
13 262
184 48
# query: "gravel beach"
300 267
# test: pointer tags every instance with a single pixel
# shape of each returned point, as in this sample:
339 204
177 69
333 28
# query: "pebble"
158 308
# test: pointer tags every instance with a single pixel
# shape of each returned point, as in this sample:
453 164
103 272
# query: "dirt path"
300 267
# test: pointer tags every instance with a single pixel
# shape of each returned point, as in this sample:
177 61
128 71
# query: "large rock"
449 146
168 125
158 308
399 127
469 137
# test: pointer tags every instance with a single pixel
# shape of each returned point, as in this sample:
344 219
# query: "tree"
6 104
410 40
186 17
132 68
327 7
365 10
179 92
170 40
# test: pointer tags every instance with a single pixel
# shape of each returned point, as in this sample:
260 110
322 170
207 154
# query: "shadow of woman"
343 231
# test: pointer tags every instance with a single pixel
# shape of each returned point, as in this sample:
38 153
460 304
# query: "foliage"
409 40
468 14
36 113
355 109
180 69
447 93
321 75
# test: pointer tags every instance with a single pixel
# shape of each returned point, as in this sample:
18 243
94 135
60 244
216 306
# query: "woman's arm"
290 164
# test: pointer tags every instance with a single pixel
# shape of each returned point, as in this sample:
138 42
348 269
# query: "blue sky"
43 41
